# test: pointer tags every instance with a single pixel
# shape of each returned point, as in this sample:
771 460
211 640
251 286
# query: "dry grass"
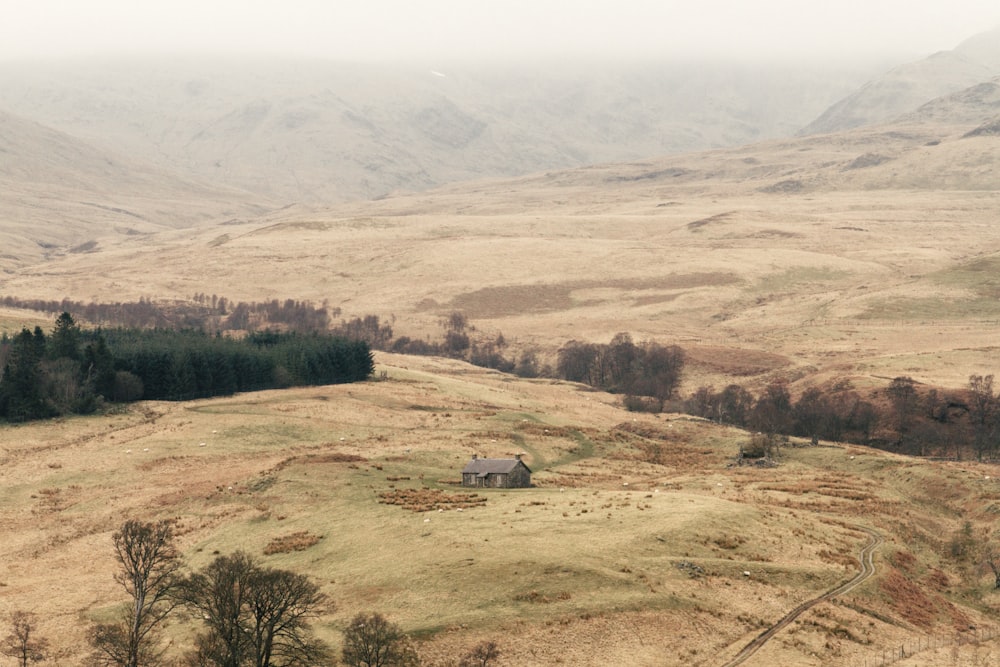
588 556
839 282
845 283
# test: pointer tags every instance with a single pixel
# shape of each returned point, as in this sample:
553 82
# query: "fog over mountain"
319 131
904 88
60 192
102 147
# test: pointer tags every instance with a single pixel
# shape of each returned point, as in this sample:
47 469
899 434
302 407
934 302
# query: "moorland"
843 259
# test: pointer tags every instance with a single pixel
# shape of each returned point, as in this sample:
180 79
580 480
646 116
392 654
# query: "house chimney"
517 456
475 456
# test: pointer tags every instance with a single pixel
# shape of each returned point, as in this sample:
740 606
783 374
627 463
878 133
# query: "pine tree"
65 339
21 397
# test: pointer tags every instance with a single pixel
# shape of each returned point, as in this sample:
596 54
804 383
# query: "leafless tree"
372 641
455 321
482 654
255 616
903 396
575 361
280 605
149 565
982 413
22 643
218 594
993 560
772 412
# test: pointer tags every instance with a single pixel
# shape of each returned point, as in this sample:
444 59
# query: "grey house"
496 473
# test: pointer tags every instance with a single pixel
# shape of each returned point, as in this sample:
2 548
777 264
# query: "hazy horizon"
516 30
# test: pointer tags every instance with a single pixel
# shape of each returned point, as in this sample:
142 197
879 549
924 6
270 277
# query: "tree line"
459 340
207 313
904 416
75 371
214 313
840 415
647 373
248 615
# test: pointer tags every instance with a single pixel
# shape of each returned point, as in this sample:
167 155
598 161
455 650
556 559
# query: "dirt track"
865 558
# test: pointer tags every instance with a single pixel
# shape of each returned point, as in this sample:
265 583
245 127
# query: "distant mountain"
319 132
908 86
971 105
61 194
515 251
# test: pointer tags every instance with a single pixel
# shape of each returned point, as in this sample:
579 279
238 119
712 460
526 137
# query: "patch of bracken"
428 500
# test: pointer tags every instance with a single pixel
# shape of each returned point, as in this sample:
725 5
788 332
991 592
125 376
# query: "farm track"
865 558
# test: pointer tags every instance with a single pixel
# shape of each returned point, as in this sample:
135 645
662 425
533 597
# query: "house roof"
485 467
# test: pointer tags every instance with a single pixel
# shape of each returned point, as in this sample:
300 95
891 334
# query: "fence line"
911 647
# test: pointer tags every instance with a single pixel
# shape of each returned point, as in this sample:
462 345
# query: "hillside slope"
822 253
60 193
635 524
320 132
906 87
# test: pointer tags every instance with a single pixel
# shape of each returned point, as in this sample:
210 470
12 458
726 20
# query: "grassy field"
834 282
13 320
639 543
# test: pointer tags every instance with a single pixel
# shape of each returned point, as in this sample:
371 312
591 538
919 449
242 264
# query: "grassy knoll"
638 543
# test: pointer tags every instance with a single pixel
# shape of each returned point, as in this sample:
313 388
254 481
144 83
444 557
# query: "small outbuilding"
496 473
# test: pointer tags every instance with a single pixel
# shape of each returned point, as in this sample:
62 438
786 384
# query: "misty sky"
449 29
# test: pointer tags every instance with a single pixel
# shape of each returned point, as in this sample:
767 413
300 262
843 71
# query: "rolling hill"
320 132
825 250
841 259
63 195
640 542
904 88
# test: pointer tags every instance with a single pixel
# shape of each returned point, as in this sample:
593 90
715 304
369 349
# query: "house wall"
519 477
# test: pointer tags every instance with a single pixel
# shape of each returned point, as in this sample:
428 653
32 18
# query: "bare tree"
527 365
982 412
372 641
903 395
575 361
149 565
255 616
993 560
620 360
22 644
455 321
772 412
482 654
280 605
656 371
861 416
734 405
219 595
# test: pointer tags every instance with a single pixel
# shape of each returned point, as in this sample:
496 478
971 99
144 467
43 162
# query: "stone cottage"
496 473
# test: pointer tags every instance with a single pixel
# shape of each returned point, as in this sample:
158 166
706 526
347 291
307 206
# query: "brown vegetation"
298 541
858 311
427 500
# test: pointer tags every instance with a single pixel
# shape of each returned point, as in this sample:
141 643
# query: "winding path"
865 558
